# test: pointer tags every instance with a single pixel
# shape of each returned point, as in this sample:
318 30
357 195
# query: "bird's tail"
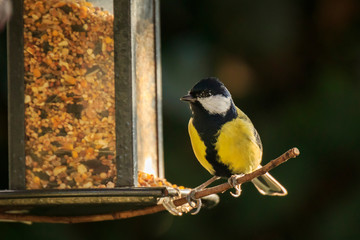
267 185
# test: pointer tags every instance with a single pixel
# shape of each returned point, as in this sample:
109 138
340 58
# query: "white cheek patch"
217 104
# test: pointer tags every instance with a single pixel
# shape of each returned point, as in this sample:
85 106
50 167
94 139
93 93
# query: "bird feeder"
84 94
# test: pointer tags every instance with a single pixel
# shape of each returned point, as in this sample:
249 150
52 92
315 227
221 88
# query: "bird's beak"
188 98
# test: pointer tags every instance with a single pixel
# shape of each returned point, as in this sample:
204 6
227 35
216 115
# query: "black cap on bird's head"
211 94
206 87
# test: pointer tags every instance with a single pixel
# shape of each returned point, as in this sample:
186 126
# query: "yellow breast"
236 145
199 148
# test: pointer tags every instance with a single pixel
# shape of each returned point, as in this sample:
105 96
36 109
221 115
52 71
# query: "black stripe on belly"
212 157
207 126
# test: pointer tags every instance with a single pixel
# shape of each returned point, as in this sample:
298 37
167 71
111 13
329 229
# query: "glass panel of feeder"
146 88
69 94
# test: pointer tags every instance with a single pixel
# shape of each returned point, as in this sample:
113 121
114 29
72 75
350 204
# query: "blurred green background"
294 68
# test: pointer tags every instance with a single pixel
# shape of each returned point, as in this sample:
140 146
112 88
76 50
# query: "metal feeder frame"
125 195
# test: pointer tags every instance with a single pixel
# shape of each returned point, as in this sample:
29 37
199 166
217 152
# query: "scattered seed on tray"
149 180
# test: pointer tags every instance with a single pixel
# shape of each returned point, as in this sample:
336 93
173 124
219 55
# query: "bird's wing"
258 140
245 118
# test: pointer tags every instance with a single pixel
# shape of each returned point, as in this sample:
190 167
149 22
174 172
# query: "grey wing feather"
258 140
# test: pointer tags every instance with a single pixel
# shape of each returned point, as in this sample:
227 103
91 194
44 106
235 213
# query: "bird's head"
211 94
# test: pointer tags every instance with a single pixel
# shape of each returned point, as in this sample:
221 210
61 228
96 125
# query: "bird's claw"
169 205
233 182
238 191
194 202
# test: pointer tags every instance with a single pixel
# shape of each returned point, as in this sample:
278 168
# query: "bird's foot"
193 201
233 182
169 205
196 202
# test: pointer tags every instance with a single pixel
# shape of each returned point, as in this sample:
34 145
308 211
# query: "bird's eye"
194 94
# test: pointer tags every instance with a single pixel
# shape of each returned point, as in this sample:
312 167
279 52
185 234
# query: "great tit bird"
224 139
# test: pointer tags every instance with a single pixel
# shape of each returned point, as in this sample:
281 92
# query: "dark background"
294 68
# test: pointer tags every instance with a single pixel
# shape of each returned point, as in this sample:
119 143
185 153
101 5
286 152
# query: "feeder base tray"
80 201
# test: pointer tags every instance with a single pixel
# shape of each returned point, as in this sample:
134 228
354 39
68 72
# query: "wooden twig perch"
292 153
